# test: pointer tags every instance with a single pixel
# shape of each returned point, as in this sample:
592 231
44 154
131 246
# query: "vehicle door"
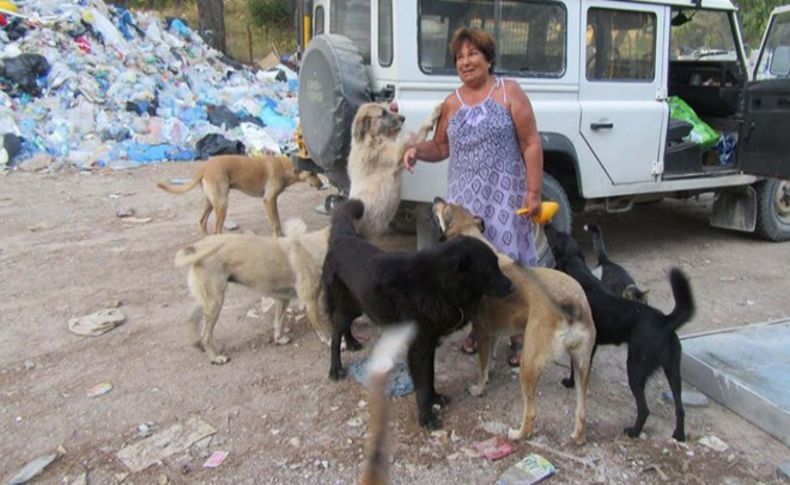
622 90
764 147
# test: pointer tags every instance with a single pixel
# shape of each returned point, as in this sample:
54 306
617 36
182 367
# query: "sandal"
516 344
469 347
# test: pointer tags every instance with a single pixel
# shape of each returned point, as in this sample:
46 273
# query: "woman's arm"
433 150
529 143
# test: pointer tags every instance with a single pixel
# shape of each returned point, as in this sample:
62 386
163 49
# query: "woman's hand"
532 204
410 158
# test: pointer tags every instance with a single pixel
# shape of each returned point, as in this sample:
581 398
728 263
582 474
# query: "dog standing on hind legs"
650 334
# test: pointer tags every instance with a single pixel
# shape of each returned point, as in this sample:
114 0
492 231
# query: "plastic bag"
258 140
216 144
702 134
24 71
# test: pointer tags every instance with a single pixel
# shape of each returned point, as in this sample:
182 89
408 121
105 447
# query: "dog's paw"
353 345
568 382
632 432
220 359
431 422
283 340
579 438
337 373
679 436
516 434
476 390
440 400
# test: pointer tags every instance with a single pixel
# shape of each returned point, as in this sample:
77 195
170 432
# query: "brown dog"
265 176
548 306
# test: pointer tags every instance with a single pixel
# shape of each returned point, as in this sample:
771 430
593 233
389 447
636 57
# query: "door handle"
602 126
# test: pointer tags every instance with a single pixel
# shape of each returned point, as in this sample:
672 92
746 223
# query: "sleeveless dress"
486 174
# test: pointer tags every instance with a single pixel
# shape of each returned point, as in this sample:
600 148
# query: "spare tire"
333 84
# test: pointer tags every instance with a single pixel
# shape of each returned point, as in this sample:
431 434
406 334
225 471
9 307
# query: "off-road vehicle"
600 75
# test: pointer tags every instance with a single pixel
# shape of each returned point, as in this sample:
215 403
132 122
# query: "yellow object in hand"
547 211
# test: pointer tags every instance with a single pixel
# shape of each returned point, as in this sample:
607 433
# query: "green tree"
754 17
270 13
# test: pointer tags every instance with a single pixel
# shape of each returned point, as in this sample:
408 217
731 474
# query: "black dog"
613 276
650 335
437 288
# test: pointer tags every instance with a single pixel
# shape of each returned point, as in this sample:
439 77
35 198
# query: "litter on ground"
91 85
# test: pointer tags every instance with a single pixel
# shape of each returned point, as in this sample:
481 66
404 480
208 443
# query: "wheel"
404 221
333 83
773 209
552 190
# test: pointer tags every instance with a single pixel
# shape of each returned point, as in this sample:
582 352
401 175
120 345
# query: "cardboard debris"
177 438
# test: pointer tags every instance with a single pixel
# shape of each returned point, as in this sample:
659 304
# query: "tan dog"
393 343
265 176
279 268
374 163
548 306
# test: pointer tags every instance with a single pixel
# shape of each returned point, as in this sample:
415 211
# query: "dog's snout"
400 118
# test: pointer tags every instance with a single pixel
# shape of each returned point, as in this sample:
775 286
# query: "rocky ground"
66 253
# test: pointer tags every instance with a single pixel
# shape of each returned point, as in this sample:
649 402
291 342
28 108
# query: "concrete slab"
746 369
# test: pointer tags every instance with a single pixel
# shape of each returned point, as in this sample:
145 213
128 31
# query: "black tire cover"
333 84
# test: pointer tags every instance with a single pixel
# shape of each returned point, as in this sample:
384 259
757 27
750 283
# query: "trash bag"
702 134
24 70
12 145
222 115
216 144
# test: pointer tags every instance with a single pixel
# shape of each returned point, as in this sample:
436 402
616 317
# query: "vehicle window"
351 18
318 21
385 32
530 36
773 62
621 45
703 35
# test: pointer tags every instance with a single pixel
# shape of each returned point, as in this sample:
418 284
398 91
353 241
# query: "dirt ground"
65 253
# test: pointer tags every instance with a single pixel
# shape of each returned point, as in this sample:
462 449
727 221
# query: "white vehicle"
599 74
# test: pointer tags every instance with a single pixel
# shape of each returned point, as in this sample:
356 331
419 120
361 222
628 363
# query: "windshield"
778 37
702 35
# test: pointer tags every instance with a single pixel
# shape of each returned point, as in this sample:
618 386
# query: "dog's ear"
481 224
361 127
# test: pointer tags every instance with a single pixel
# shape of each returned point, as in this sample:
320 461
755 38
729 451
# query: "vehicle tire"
404 221
333 83
562 220
773 209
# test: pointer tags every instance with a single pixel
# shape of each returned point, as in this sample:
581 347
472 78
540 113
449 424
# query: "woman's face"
471 64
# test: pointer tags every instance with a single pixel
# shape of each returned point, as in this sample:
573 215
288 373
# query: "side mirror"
780 61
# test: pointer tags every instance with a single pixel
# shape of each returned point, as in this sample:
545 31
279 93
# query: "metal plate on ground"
746 369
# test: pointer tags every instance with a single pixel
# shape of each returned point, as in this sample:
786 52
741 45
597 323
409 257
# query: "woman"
487 128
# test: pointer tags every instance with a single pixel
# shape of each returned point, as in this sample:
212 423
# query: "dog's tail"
684 301
343 218
192 254
294 227
597 239
393 343
180 189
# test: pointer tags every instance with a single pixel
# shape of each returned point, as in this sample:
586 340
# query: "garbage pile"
92 85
